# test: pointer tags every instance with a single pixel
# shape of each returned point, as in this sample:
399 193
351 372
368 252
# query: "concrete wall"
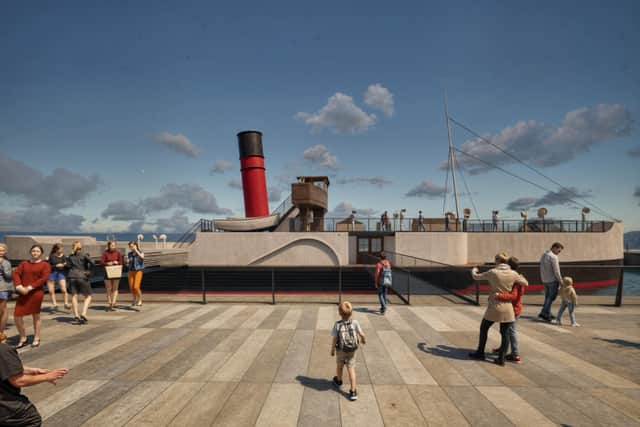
449 248
303 249
528 247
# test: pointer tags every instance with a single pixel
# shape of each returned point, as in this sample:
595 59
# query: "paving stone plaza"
245 364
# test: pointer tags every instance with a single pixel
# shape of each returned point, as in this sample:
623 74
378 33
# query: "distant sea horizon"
121 237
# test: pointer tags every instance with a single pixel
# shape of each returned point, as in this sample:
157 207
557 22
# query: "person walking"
15 408
80 267
494 220
6 286
111 257
346 336
420 221
58 268
501 279
29 278
551 279
386 223
383 280
569 300
135 265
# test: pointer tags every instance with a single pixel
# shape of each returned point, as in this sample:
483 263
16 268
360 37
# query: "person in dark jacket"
80 266
15 408
58 268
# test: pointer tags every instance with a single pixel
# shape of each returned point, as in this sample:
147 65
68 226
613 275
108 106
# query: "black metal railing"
284 207
189 236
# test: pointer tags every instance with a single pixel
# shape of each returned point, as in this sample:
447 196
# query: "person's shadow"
620 342
366 310
445 351
320 384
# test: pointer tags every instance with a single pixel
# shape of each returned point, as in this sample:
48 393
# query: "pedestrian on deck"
402 212
111 257
420 221
80 267
135 265
551 278
58 268
386 223
569 299
494 220
15 408
347 335
29 279
501 279
6 286
515 298
383 281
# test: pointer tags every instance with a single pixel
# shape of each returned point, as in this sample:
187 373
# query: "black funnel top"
250 143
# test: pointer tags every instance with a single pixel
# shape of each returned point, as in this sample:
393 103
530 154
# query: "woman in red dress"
28 279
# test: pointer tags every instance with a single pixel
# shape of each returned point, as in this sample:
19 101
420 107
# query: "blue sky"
112 115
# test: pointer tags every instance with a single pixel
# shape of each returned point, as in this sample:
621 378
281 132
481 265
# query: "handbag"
113 271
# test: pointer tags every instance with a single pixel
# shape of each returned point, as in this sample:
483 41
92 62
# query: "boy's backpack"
347 336
386 278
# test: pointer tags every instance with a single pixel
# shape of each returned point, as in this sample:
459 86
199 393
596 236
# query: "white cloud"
220 166
344 209
274 194
378 181
426 189
551 198
341 115
62 189
378 96
40 220
235 183
319 154
634 152
545 145
183 196
178 143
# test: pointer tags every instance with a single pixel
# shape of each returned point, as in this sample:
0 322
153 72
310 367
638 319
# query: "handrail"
283 207
185 236
463 297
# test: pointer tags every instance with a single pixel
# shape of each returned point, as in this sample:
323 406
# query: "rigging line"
446 182
464 180
511 174
472 132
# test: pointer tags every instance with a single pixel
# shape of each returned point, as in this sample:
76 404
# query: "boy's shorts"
344 358
4 295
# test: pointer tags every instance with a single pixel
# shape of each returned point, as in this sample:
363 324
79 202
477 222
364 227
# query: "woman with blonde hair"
58 267
6 286
135 265
111 257
29 278
80 266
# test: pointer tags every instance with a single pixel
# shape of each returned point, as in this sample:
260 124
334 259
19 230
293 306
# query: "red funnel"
254 183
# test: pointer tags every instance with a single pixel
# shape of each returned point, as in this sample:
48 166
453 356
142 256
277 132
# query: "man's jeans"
550 294
513 338
382 296
564 305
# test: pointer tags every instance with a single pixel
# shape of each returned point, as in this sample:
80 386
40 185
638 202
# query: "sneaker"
575 325
83 319
67 306
557 322
337 382
542 316
513 358
476 355
499 362
353 395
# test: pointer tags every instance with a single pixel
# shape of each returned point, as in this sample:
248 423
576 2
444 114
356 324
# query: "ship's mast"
452 161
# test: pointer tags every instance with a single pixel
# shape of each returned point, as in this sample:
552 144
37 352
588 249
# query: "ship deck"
244 363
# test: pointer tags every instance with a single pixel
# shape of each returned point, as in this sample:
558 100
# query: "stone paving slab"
244 364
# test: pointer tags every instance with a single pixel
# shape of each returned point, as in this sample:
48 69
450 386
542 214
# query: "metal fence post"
204 291
273 286
340 284
620 286
409 286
